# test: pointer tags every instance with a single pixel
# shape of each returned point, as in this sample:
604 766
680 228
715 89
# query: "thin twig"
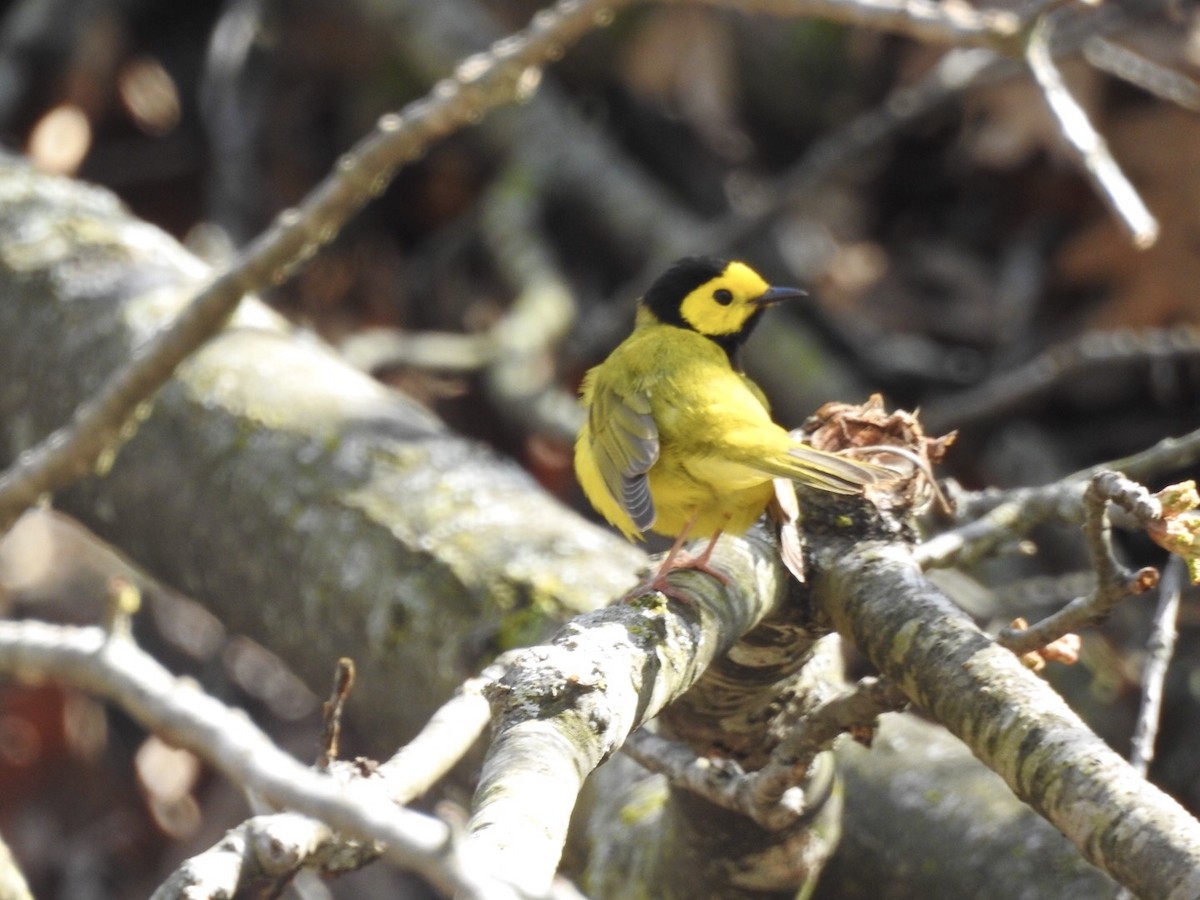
1004 516
920 19
1058 365
331 734
1123 63
1160 648
446 737
954 72
1114 582
774 795
1088 144
855 708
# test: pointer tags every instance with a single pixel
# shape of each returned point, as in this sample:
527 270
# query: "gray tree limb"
875 595
303 503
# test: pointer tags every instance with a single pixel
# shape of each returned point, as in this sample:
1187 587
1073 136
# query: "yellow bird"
677 440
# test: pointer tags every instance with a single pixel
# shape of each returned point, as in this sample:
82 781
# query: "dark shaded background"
943 256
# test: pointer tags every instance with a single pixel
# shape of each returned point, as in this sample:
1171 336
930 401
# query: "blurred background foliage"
959 263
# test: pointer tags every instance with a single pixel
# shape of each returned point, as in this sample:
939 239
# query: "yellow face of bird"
724 304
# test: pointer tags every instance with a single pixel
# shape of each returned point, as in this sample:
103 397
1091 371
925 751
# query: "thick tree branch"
875 595
270 468
480 84
564 707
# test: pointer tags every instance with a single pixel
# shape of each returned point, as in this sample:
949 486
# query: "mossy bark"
303 503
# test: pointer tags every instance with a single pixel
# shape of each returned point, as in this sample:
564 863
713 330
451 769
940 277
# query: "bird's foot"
674 561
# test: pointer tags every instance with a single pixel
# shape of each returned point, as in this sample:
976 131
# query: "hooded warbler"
677 439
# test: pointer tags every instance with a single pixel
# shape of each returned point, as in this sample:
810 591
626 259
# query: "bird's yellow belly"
678 497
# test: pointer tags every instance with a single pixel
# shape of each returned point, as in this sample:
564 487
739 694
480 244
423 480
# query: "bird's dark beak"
779 295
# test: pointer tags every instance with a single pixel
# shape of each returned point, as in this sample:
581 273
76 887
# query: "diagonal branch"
178 711
1012 720
272 848
565 706
921 19
1091 148
1007 516
509 71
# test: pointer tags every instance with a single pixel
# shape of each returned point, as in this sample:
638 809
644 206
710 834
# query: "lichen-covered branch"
564 707
1015 723
269 468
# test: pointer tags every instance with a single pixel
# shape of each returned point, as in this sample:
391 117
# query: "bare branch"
1059 365
718 780
1114 582
445 739
12 880
264 851
331 734
957 70
1160 647
920 19
856 708
1087 142
1123 63
177 710
1003 517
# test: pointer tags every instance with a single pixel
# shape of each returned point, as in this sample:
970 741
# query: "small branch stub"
331 710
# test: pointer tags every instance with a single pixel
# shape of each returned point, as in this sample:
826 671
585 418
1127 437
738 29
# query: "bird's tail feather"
827 471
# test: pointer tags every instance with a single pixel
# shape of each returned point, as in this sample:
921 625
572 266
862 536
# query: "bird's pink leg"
672 561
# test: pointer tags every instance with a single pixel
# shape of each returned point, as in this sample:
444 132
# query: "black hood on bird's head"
670 288
666 295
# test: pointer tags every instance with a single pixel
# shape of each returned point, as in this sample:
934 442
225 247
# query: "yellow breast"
710 427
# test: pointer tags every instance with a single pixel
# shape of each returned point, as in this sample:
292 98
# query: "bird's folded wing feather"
743 455
625 446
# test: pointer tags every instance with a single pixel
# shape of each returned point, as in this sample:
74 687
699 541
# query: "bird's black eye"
723 296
